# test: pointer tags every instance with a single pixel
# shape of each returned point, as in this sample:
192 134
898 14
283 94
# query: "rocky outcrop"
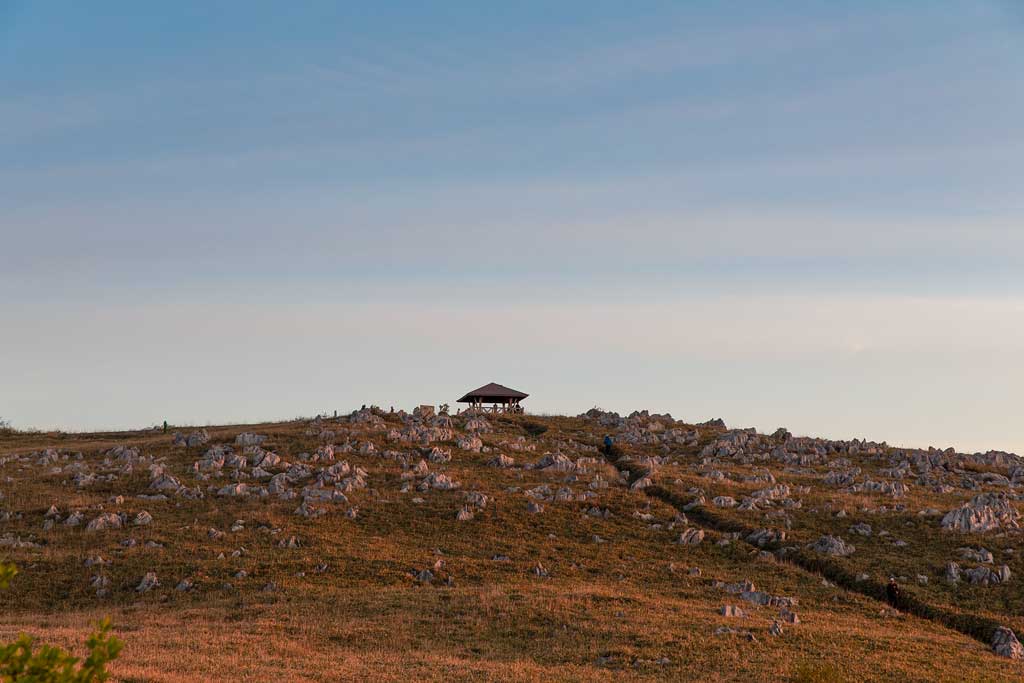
985 512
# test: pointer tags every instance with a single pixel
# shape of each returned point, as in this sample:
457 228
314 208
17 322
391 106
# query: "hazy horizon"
806 215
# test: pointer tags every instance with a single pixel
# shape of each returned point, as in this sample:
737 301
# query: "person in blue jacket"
608 442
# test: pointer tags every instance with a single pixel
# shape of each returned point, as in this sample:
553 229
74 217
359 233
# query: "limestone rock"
469 443
985 576
290 542
502 461
556 462
832 545
143 519
985 512
476 499
691 536
642 483
107 520
234 491
249 439
148 582
1005 644
765 537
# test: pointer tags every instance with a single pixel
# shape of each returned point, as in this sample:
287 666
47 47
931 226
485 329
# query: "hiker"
892 592
608 443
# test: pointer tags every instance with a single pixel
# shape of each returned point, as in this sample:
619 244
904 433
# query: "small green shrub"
535 428
817 672
7 572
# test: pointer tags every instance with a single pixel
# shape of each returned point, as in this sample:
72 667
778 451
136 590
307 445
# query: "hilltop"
390 546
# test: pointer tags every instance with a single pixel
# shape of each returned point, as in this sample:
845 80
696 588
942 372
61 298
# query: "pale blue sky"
805 214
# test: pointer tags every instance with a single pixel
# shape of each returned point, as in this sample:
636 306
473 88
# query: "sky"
800 214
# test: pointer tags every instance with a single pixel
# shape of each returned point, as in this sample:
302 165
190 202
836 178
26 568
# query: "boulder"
107 520
469 443
435 480
1005 644
502 461
148 582
143 519
423 411
985 576
641 483
476 499
197 438
832 545
249 439
165 482
691 536
234 491
556 462
765 537
985 512
439 456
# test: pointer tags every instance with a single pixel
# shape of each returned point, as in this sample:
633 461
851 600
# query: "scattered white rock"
107 520
149 582
832 545
249 439
143 519
985 512
1005 644
502 461
691 536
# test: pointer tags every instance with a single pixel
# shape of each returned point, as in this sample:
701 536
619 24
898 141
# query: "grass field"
563 593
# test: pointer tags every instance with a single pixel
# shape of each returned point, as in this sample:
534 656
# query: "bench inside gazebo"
499 399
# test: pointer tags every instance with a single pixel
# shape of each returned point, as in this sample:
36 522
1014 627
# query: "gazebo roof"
491 392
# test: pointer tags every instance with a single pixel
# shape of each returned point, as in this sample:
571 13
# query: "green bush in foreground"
49 664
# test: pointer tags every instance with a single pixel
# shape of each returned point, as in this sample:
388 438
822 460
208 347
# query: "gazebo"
501 399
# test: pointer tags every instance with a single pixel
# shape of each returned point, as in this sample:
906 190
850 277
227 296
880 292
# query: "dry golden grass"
608 611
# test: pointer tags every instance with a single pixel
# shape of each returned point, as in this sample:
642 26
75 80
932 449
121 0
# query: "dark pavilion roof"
491 392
